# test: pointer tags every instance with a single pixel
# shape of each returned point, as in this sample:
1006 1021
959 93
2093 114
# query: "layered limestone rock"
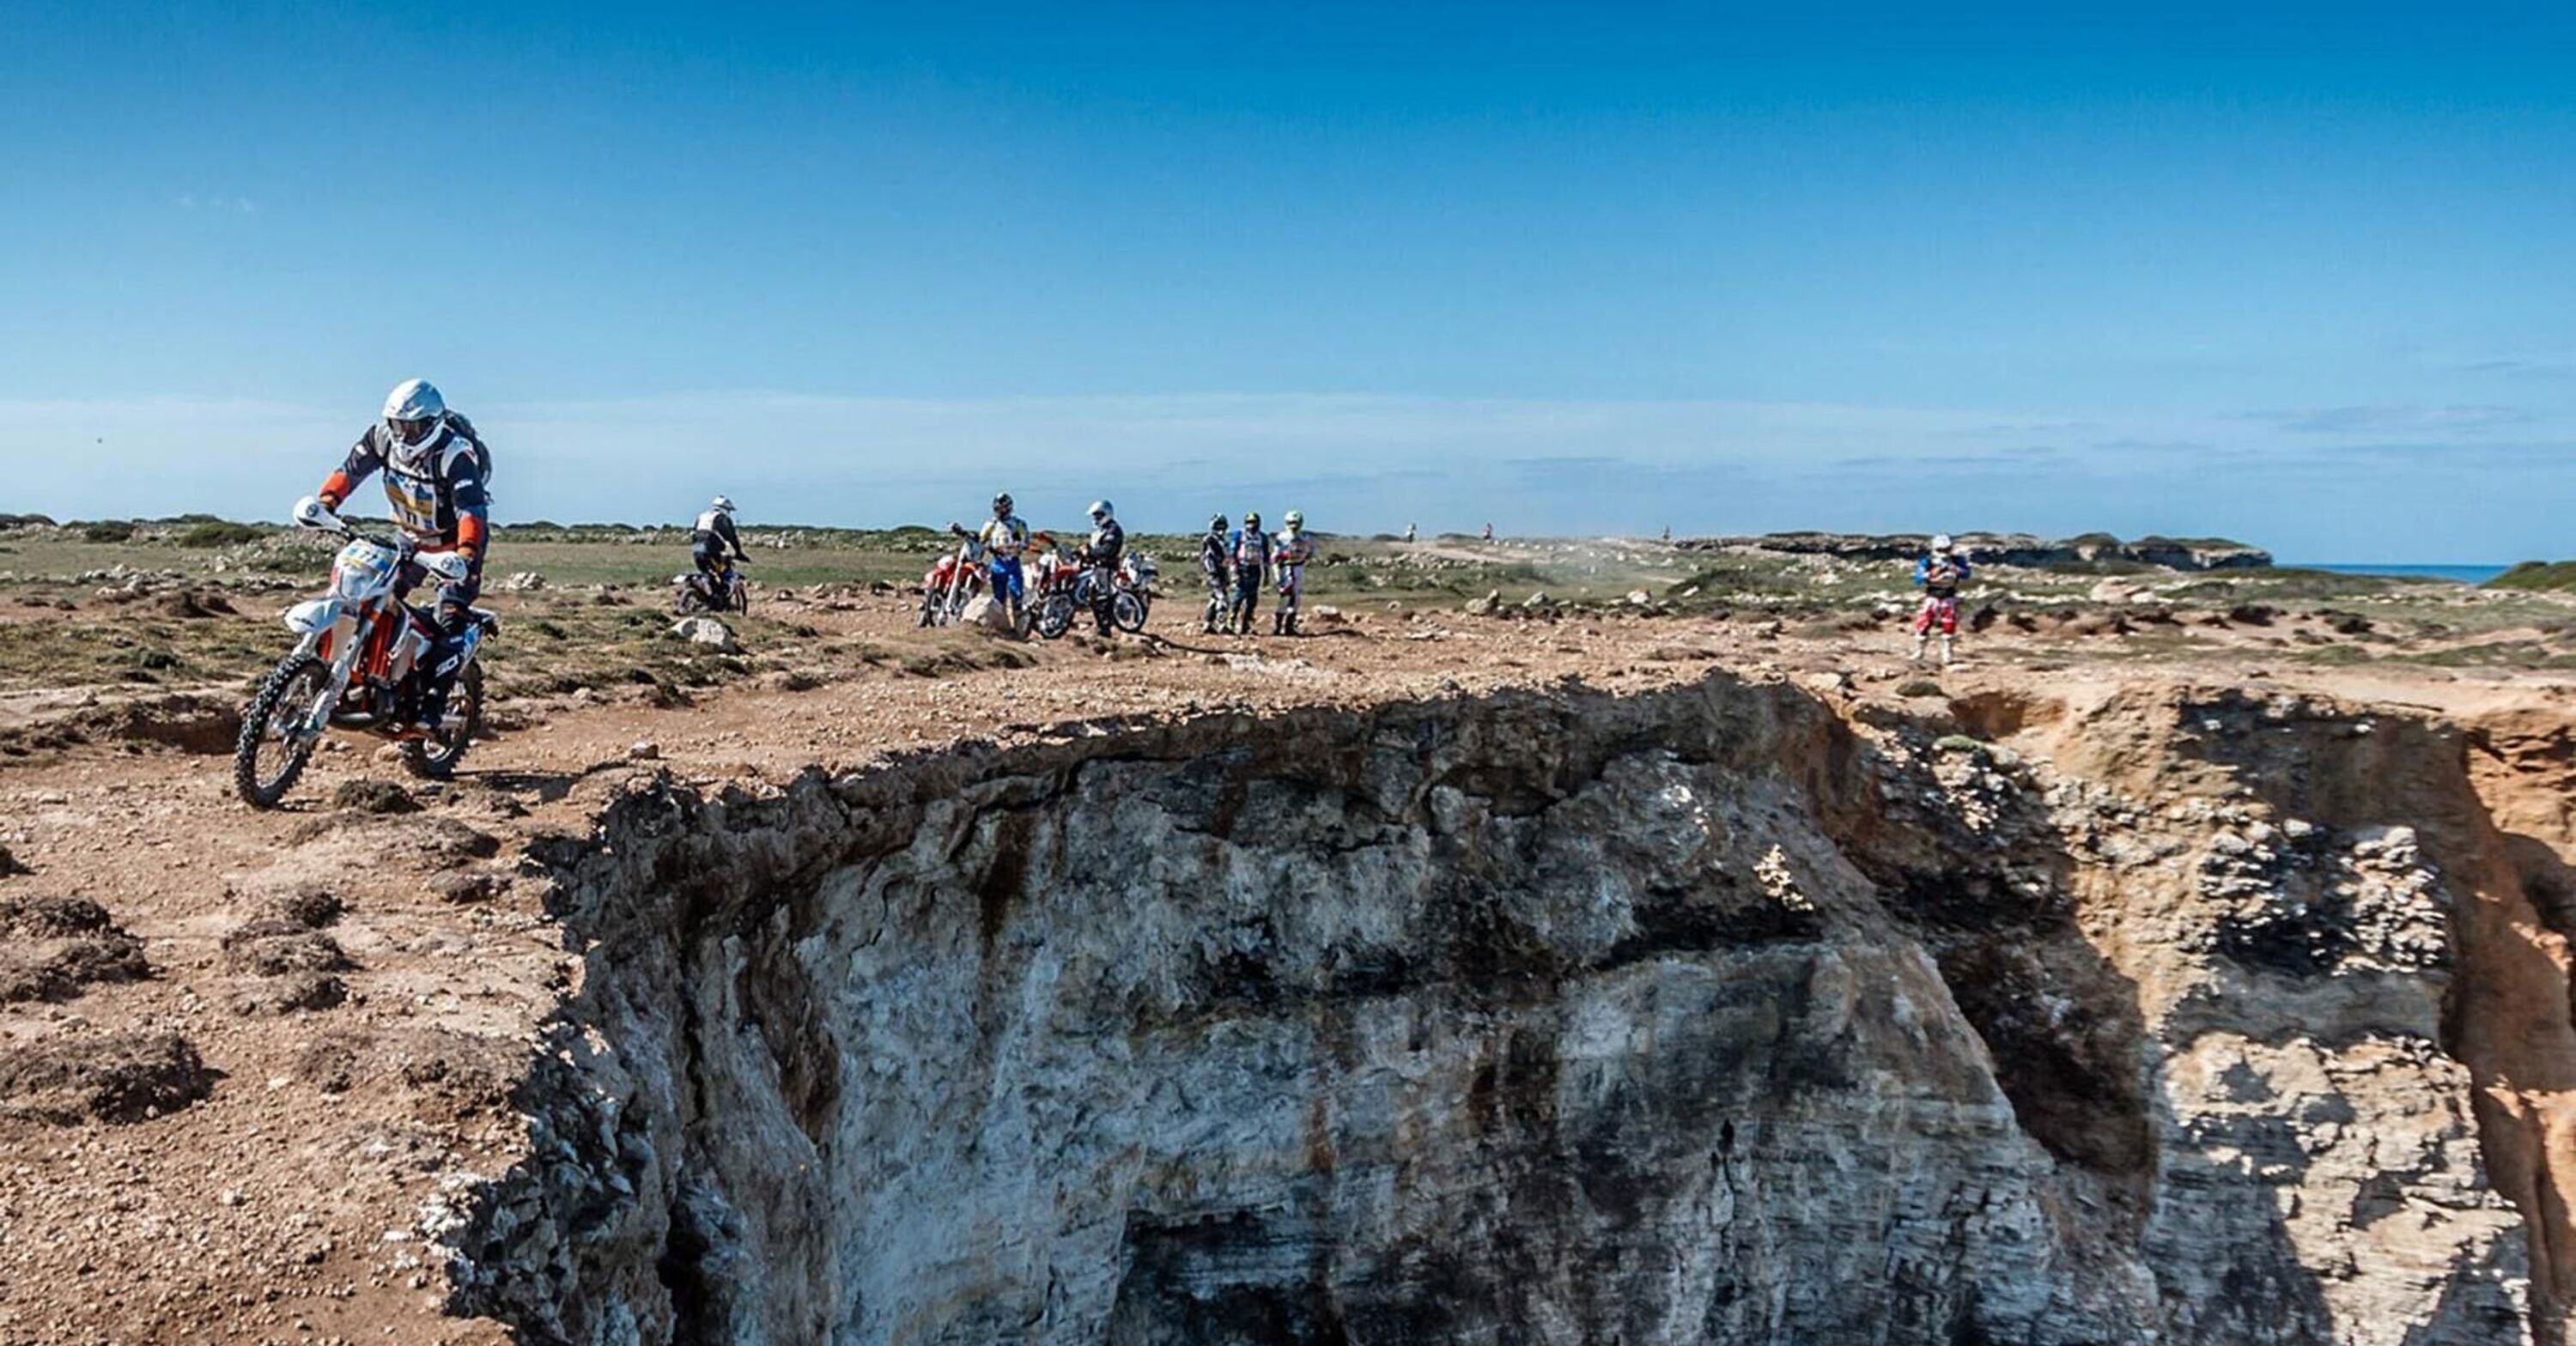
1703 1016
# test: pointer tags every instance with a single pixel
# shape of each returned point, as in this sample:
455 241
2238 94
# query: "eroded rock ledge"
1720 1014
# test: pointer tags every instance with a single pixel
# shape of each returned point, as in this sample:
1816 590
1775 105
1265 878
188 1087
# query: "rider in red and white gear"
436 474
1940 572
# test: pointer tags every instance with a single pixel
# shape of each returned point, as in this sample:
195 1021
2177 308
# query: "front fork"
317 717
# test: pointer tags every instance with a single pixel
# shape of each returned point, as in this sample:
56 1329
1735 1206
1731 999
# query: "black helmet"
1252 518
1002 503
1216 524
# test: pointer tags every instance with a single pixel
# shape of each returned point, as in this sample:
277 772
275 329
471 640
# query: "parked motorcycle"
1056 590
951 584
1134 600
356 666
698 591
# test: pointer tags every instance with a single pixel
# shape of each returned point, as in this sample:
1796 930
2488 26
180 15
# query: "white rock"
706 631
983 612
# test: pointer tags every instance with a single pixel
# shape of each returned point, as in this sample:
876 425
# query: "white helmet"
414 400
1100 509
724 503
1940 542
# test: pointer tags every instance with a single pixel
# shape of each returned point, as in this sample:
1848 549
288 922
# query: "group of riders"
1004 541
437 472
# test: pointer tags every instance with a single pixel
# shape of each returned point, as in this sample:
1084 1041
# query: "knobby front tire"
259 779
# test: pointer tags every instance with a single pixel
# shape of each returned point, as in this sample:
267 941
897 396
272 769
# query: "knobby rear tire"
439 763
289 677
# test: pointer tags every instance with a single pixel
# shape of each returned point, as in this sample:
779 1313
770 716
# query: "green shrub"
108 530
2550 575
217 533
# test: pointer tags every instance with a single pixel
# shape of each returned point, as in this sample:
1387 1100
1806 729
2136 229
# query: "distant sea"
2464 574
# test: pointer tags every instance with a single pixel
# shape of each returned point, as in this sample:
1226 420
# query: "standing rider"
1251 548
1003 538
1941 571
712 544
1290 554
1101 552
1214 550
436 475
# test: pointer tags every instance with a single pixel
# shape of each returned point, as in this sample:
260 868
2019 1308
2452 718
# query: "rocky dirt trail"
240 1052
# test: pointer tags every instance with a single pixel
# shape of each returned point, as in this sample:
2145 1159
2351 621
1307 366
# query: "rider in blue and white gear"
1004 539
1251 550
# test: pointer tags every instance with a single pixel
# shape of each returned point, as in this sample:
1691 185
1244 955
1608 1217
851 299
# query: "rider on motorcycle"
1941 571
1101 552
1290 554
436 475
711 542
1251 548
1004 538
1214 550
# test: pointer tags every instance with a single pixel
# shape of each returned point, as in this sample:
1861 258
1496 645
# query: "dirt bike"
1134 600
1054 582
355 667
952 584
698 591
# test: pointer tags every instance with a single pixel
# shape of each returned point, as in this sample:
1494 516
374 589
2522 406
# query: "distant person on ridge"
1409 534
1290 552
1003 537
436 477
1941 571
1251 548
1215 553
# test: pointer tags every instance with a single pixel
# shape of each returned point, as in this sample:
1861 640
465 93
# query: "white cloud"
1366 462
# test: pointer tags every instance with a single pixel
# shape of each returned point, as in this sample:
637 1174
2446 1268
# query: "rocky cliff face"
1726 1014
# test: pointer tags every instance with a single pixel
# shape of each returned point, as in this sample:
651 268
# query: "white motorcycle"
1134 599
355 665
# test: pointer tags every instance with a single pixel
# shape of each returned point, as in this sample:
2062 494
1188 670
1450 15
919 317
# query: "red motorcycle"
1055 583
951 584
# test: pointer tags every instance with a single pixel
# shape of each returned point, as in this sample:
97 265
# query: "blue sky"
2300 276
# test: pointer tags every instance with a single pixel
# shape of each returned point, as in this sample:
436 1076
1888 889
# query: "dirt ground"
239 1051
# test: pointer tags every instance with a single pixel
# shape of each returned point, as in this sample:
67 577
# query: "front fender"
312 615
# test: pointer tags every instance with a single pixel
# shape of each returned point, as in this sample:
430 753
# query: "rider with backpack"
712 544
436 474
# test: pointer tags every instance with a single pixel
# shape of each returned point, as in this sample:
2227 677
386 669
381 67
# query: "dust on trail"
336 998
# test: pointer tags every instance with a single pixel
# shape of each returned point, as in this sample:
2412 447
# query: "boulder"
985 613
707 631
